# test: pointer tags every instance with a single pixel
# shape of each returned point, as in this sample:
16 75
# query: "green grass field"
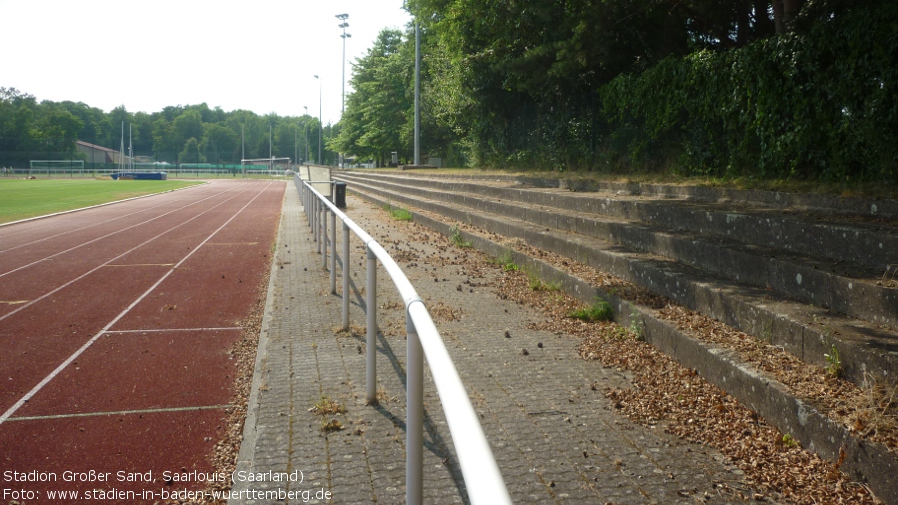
21 198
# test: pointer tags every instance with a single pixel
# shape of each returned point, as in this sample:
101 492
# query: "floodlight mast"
417 94
343 25
305 130
121 151
320 126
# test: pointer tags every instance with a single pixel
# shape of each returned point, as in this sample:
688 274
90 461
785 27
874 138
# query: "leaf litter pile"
668 395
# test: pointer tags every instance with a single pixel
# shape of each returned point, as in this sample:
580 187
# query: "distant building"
97 154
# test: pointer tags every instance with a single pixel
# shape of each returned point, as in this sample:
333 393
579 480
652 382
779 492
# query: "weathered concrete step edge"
862 244
864 461
757 266
887 208
774 199
736 306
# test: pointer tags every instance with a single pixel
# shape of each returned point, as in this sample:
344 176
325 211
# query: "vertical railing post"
324 210
315 221
318 218
334 253
371 338
414 422
345 277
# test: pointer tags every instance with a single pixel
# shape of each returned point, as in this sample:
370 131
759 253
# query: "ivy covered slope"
817 103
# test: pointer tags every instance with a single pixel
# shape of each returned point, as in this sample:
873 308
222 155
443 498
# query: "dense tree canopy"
745 87
26 126
48 130
700 86
376 111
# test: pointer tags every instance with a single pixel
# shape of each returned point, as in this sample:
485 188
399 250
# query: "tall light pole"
320 126
343 24
305 129
417 94
344 36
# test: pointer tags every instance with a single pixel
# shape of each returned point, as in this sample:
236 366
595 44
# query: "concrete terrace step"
852 291
833 233
867 462
876 209
806 331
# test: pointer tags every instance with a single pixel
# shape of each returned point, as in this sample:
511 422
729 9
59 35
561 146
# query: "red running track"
115 329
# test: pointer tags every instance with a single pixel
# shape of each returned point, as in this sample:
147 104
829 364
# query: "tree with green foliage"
165 144
771 109
376 111
220 144
189 125
48 130
142 134
191 152
29 130
95 126
58 130
709 87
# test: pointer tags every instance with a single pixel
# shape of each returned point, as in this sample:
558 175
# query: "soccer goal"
271 167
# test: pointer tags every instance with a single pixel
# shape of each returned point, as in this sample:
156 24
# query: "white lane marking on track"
100 333
108 235
162 330
93 225
32 302
141 265
122 412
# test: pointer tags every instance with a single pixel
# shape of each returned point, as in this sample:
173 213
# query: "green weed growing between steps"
599 311
456 238
506 261
398 213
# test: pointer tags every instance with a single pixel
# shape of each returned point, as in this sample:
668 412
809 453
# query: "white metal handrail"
479 469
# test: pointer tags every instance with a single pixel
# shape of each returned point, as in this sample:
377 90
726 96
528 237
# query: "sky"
146 55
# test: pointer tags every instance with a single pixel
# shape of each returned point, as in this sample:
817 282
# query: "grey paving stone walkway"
555 437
